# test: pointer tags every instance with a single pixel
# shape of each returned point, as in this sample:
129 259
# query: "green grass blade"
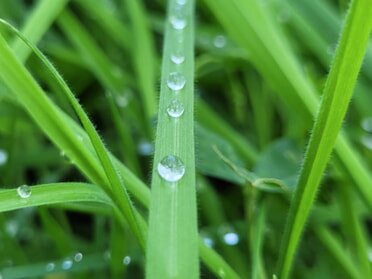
37 24
337 95
40 195
144 56
172 248
119 193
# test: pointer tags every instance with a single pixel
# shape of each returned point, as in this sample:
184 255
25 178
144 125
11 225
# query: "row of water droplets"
171 168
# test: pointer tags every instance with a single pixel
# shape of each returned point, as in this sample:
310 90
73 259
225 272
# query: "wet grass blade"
172 248
336 97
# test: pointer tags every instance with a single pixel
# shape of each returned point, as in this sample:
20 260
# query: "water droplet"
145 148
181 2
219 41
367 124
3 157
79 137
50 267
370 255
127 260
12 227
208 241
177 57
175 109
178 22
171 168
24 191
221 273
231 238
367 141
67 264
176 81
78 257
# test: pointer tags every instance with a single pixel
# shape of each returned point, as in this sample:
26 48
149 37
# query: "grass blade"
337 95
172 248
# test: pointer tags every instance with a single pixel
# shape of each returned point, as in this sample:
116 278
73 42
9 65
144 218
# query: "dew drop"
24 191
367 141
175 109
367 124
177 57
50 267
181 2
171 168
67 264
78 257
221 273
208 241
3 157
178 22
127 260
231 238
219 41
145 148
79 137
176 81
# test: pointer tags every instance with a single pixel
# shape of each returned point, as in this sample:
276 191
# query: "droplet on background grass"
24 191
67 264
3 157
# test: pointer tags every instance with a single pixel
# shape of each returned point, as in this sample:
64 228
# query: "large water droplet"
367 124
176 81
219 41
3 157
127 260
177 57
231 238
50 267
24 191
78 257
171 168
67 264
178 22
175 109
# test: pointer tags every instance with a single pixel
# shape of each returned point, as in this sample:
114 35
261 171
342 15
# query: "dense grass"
86 121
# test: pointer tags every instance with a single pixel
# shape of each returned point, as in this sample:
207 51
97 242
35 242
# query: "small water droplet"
177 57
3 157
67 264
176 81
178 22
208 241
127 260
24 191
367 141
175 109
171 168
219 41
78 257
79 137
231 238
367 124
181 2
50 267
12 227
145 148
221 273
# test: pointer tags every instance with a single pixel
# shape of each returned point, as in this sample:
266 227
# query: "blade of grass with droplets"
172 247
270 54
119 193
67 192
336 97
